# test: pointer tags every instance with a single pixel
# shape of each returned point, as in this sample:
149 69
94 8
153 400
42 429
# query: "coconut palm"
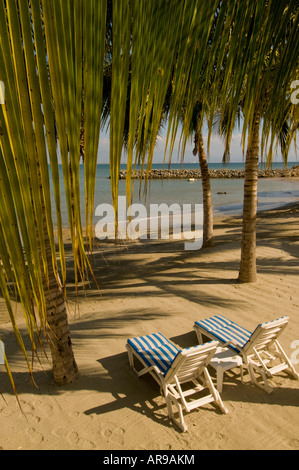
199 149
36 71
283 134
255 107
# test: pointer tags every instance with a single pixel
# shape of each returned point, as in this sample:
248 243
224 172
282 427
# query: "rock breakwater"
219 173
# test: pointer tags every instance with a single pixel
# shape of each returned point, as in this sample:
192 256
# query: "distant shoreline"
192 174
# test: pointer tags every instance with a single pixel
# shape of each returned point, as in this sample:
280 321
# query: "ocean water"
272 192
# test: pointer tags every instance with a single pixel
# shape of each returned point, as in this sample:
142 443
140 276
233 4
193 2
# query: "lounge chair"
259 349
173 369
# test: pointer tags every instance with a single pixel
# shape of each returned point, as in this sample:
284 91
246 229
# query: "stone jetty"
219 173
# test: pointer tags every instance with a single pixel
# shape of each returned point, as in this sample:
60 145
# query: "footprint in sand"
5 412
76 441
72 437
59 432
84 444
32 419
26 406
74 414
116 435
294 443
34 435
45 407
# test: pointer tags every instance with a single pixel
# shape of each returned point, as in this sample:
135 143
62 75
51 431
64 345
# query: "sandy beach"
147 287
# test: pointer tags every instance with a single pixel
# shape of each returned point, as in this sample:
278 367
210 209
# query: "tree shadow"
127 262
120 273
140 395
130 276
236 391
114 377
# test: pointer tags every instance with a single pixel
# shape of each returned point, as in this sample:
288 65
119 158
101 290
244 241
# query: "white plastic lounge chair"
259 349
172 367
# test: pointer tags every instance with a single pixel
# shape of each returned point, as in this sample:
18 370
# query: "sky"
216 150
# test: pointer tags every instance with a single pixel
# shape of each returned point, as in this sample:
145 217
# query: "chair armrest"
232 342
146 370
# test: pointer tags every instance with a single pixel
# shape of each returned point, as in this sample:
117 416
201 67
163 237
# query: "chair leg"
279 354
214 392
219 379
264 386
131 361
251 368
242 372
130 356
170 400
199 336
144 370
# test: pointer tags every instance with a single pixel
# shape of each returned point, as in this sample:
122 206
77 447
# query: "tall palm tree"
248 268
208 227
199 149
258 108
283 133
248 247
36 71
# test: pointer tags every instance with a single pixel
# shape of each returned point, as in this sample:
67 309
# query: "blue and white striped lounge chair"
259 349
171 367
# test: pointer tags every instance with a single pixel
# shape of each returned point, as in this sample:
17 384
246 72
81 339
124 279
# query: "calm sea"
271 192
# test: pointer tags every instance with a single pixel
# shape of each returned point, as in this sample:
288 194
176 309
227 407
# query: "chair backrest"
265 334
190 360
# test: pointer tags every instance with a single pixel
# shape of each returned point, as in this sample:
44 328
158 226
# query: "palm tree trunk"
206 191
64 367
248 246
